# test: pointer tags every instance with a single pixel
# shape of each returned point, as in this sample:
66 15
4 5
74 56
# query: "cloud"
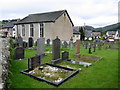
93 12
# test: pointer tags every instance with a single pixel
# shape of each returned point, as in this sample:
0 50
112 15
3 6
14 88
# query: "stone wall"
4 52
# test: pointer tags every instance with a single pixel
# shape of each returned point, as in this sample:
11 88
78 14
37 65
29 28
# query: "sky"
96 13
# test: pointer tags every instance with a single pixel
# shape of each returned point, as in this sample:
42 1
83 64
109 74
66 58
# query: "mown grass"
103 74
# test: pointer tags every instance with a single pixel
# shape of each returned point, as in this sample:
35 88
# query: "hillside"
112 27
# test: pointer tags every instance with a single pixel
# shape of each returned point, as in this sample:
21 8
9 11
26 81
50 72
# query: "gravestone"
30 42
94 47
40 46
20 41
19 53
15 45
65 55
56 51
99 46
86 45
90 44
35 43
77 48
71 45
25 44
90 51
64 44
48 42
83 43
34 62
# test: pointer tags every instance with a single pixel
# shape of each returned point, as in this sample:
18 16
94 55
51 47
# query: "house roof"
43 17
76 30
111 32
9 24
96 33
88 33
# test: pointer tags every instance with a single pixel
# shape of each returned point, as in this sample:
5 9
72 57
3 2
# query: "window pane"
31 30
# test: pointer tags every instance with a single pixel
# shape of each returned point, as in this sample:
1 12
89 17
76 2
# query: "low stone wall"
4 52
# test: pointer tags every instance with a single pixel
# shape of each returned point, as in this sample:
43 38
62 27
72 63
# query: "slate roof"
88 33
43 17
111 32
9 24
96 33
76 30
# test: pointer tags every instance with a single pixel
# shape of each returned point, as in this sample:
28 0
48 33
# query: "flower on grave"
31 72
59 79
79 68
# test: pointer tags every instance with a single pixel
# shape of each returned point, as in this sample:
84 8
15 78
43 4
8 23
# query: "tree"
82 34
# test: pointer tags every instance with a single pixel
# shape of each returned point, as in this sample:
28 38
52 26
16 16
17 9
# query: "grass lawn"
103 74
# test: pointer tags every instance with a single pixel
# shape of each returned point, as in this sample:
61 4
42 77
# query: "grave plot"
52 74
65 57
88 59
84 60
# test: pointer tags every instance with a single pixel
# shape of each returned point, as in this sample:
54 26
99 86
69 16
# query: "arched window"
41 30
23 30
31 30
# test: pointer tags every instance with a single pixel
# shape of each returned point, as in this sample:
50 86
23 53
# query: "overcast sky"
96 13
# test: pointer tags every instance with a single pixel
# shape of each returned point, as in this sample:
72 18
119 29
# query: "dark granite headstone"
48 42
19 53
30 42
25 44
90 51
56 49
40 46
65 55
34 62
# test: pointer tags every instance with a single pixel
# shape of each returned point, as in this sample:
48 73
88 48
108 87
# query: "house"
9 28
76 33
96 35
47 25
117 35
88 34
110 33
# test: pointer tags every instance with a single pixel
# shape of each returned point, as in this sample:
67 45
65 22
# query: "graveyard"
87 68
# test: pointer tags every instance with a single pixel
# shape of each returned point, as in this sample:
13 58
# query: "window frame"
41 29
23 30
